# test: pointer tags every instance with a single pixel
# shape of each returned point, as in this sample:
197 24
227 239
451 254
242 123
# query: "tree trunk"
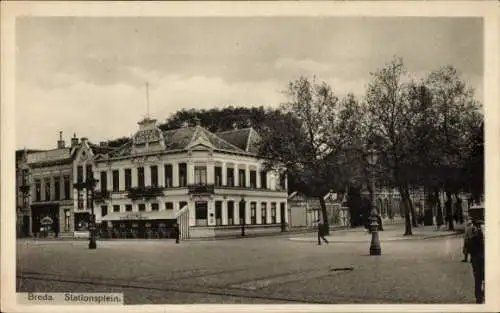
439 211
413 215
449 214
325 215
403 191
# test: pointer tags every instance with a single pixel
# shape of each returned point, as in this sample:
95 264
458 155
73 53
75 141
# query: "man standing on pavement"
177 233
467 236
476 250
321 232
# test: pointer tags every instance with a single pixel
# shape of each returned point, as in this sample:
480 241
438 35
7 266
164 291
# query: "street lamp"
242 210
89 184
375 248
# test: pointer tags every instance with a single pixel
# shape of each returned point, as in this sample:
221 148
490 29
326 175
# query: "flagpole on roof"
147 100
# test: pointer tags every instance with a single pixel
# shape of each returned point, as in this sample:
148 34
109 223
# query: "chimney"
74 141
60 142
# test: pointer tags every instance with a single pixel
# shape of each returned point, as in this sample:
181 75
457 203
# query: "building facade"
210 184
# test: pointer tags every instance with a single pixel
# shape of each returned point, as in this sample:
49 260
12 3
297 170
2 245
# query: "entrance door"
218 213
39 213
282 213
201 210
26 225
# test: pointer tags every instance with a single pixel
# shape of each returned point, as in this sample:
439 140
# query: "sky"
87 75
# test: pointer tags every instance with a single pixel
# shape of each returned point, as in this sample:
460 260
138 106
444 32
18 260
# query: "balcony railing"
201 189
101 196
148 192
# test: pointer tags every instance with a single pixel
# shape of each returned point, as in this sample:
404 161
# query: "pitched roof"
246 139
53 155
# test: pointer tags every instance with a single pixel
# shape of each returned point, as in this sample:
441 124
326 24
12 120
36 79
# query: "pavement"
390 233
278 269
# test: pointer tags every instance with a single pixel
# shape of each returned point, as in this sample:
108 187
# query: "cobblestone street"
290 268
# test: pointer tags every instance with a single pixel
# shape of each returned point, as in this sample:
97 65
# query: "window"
47 190
169 205
89 173
142 207
38 186
230 212
263 208
241 178
67 188
282 181
104 210
201 208
182 175
57 188
263 179
154 207
154 176
116 208
140 177
218 176
218 212
253 179
128 207
273 213
253 213
168 175
200 175
67 215
128 179
104 181
79 173
116 181
282 213
182 204
230 177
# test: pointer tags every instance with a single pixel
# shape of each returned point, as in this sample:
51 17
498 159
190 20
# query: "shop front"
146 225
45 219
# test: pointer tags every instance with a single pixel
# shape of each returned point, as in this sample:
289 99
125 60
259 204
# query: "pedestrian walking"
177 233
321 232
467 236
475 247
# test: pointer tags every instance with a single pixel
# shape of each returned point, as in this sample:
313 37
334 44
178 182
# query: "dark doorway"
218 213
40 212
26 226
282 213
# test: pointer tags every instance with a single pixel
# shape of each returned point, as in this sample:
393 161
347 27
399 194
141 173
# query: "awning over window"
136 216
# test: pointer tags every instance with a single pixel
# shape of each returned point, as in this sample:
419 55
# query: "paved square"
281 269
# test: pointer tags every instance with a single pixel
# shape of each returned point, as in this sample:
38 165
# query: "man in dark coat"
177 233
321 232
476 249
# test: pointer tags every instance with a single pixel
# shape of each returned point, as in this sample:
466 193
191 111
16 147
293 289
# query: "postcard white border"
486 9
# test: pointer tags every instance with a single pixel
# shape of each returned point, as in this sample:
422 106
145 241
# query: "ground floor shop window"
82 221
263 208
218 213
253 213
273 213
230 212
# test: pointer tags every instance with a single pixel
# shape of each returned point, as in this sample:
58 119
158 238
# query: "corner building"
209 183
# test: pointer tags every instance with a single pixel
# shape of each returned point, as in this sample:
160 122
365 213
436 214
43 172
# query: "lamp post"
242 209
375 248
89 184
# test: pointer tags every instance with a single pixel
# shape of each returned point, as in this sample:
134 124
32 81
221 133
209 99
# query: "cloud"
106 112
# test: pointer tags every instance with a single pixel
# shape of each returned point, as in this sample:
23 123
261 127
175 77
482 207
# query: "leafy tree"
318 141
389 116
457 116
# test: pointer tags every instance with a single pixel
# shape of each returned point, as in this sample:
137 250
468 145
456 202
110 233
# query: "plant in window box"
145 192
